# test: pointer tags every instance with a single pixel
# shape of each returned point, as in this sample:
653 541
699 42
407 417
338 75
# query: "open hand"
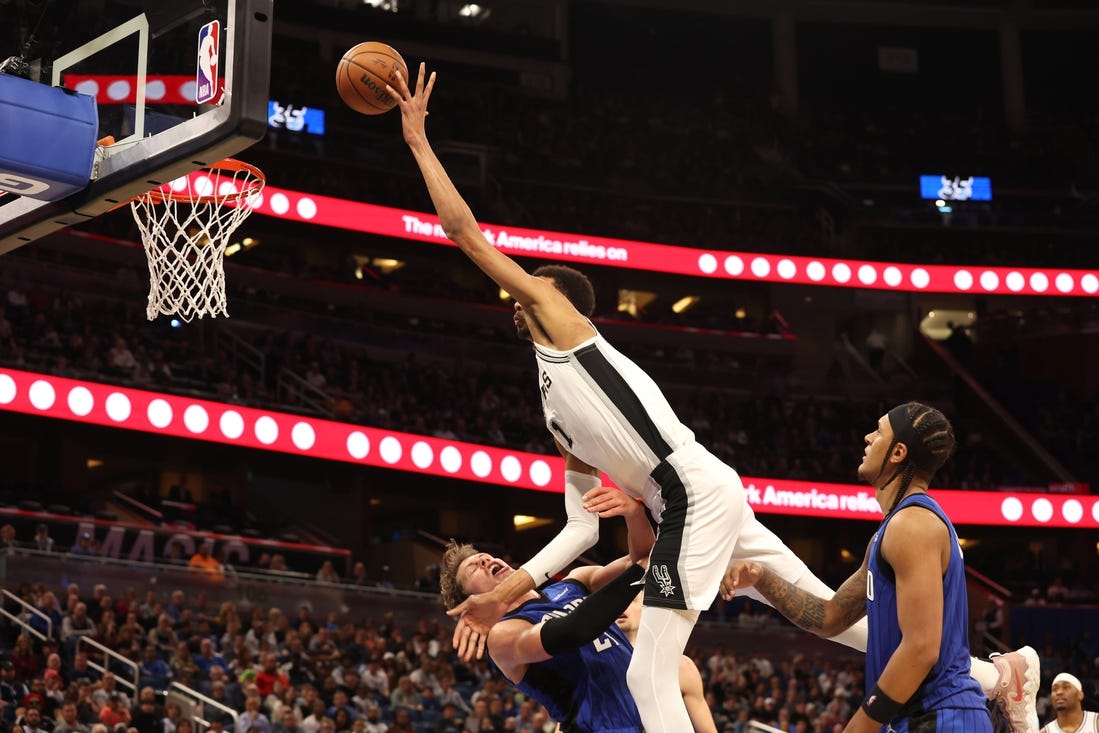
413 105
476 616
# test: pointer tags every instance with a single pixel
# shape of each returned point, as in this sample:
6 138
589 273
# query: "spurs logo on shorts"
663 579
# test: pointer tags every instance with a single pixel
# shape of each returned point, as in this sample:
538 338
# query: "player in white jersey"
1067 697
605 412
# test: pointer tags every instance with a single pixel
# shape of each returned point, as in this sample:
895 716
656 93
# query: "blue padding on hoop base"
47 139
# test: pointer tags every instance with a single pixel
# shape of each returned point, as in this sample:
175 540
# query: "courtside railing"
28 609
757 726
194 696
111 654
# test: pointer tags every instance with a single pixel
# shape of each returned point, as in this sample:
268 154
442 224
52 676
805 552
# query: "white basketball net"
185 227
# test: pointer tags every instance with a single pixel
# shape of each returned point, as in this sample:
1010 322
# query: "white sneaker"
1017 692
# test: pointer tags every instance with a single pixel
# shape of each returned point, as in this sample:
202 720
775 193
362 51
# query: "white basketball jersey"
610 414
1090 724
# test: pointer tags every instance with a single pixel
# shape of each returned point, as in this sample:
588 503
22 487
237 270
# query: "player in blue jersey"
559 645
911 586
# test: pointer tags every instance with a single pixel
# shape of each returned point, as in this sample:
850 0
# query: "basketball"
363 73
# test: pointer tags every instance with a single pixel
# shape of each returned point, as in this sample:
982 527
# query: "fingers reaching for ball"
413 105
422 94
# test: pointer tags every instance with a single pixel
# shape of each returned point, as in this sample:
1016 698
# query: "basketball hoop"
185 226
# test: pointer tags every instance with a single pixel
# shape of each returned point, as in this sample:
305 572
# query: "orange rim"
253 184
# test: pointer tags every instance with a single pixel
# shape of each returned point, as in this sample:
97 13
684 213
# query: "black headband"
905 432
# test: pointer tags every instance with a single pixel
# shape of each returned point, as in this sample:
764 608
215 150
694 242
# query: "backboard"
179 84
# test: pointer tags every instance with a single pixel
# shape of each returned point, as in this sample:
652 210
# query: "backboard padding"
239 121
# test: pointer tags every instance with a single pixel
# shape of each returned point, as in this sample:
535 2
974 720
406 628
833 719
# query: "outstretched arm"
455 216
555 321
821 616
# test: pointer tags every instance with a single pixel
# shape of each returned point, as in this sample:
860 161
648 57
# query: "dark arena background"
796 215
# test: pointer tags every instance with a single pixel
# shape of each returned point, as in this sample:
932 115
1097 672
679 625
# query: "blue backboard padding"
48 143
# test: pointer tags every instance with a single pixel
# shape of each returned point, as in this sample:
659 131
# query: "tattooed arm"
823 617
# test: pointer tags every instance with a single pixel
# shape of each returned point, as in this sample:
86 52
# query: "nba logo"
206 82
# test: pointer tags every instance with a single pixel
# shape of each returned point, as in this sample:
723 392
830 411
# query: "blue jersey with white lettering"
948 684
584 690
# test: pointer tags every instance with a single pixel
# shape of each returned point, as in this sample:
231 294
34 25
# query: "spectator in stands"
182 662
23 657
374 677
69 722
451 722
115 715
82 671
269 674
147 715
373 722
424 677
405 695
162 637
54 692
48 606
278 564
33 721
120 359
402 722
173 714
260 635
42 540
108 687
150 608
340 701
358 574
87 712
83 546
451 696
155 672
75 625
186 726
203 561
209 658
252 718
288 722
318 712
7 537
176 604
1057 592
342 721
101 600
12 691
327 573
106 630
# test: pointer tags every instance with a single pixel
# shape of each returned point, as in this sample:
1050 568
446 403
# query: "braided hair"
929 438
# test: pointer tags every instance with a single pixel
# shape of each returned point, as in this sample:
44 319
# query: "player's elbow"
463 231
924 652
833 622
587 536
